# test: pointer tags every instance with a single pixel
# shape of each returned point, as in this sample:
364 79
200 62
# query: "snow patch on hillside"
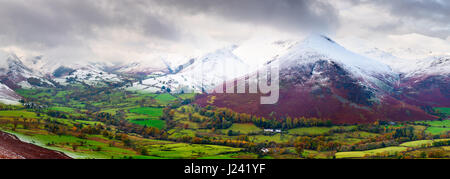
8 96
16 72
91 74
414 64
205 73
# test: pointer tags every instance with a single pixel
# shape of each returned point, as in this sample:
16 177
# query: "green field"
241 155
437 130
443 123
182 150
63 109
437 127
151 112
421 143
178 133
186 95
243 128
165 98
418 143
270 138
352 137
31 92
361 154
150 123
20 113
309 130
443 110
314 130
147 111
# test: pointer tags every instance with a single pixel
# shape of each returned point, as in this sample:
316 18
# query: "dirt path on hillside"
12 148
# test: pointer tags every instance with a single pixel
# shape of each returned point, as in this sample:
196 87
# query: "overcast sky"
137 30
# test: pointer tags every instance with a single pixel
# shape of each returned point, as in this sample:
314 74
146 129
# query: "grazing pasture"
165 98
150 123
186 151
150 112
374 152
243 128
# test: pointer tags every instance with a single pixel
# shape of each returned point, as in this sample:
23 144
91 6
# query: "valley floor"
105 123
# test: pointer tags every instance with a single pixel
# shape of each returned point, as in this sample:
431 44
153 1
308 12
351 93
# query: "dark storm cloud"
71 23
434 15
294 15
434 10
51 23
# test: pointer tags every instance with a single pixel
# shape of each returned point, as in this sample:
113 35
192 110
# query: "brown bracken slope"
12 148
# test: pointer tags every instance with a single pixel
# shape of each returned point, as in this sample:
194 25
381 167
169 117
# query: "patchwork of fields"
106 123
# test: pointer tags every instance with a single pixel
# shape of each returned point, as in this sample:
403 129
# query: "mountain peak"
225 53
321 42
316 48
324 47
319 38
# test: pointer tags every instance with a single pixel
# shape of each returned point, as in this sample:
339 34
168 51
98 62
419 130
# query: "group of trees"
127 127
4 107
240 142
319 143
57 114
388 136
26 123
441 143
289 123
223 118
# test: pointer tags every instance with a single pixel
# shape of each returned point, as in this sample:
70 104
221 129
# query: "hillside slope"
320 78
12 148
8 96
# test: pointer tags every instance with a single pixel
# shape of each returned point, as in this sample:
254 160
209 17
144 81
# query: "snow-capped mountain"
63 73
202 74
320 78
321 48
427 83
42 65
258 52
424 80
91 74
39 72
198 74
435 65
138 68
15 74
155 63
411 63
42 72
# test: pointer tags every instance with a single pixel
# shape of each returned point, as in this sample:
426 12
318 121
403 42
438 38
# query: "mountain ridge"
318 78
